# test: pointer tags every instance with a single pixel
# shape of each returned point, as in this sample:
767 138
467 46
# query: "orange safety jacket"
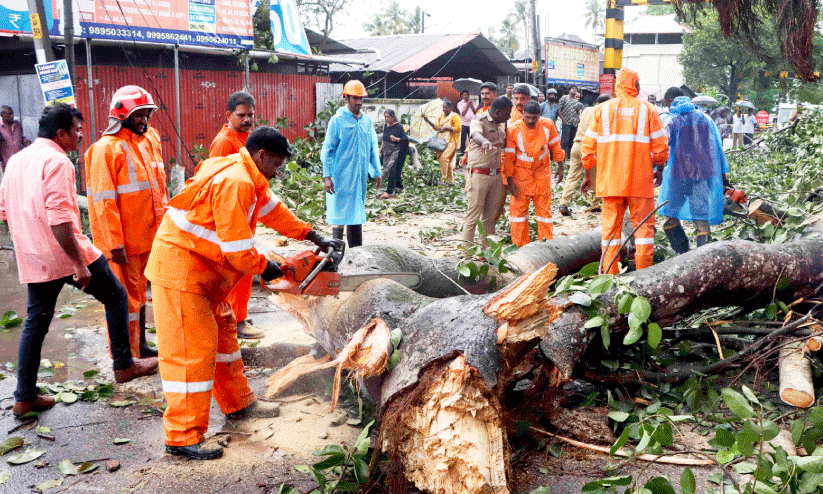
160 167
526 158
126 189
204 244
625 136
227 142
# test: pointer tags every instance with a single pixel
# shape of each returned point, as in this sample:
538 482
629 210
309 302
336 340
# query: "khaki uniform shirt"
495 133
585 120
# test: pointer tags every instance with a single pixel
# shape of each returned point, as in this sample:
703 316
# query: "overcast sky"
564 16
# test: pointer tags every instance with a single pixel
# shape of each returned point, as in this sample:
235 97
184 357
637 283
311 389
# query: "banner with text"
568 64
55 82
219 23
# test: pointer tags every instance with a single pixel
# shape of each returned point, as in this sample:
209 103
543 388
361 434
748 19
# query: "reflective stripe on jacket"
204 244
526 158
126 189
624 138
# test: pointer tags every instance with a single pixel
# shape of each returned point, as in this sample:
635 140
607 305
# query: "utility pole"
40 31
68 38
535 39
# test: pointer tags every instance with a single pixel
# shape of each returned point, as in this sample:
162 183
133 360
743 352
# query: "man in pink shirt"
466 110
11 137
38 201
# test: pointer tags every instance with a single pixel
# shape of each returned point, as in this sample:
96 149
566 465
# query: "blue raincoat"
693 177
350 156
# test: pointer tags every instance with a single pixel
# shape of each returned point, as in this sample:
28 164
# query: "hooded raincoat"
350 155
693 177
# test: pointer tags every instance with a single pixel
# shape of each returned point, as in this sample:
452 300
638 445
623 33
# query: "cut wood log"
764 212
446 435
796 387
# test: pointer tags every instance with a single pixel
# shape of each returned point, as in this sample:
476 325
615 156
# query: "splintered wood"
452 440
367 353
796 387
515 306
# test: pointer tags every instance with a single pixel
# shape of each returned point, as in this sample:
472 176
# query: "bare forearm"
64 234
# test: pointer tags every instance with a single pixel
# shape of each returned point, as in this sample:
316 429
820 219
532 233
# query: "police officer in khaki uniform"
484 184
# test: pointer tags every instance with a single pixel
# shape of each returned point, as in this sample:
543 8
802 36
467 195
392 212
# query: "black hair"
672 93
532 108
5 108
603 98
501 103
448 103
239 98
390 112
490 86
465 91
269 139
522 89
574 87
58 116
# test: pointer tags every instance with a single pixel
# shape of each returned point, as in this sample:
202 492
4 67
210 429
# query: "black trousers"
464 137
106 288
354 234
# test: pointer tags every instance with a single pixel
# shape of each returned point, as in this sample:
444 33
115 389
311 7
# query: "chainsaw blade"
350 282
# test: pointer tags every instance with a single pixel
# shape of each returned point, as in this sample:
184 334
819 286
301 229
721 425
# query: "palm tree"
595 15
508 41
376 26
396 18
416 20
519 14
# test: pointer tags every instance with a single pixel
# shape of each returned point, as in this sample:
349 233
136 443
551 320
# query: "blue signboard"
55 82
286 28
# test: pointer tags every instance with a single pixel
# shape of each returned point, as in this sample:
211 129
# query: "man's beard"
132 126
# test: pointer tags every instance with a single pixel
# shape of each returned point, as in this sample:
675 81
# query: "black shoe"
196 451
564 210
148 352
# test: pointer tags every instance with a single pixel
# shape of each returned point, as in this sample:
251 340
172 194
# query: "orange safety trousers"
614 208
239 297
519 216
133 279
199 357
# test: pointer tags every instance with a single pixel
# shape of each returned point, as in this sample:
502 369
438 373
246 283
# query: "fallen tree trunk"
461 357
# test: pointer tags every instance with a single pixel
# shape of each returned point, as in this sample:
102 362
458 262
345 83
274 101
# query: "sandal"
386 195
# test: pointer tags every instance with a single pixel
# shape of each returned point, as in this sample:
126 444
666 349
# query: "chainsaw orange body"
303 274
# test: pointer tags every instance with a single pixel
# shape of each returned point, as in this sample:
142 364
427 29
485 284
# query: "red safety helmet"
354 88
127 99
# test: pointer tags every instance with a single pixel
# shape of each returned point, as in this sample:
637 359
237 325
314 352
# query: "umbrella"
419 130
704 99
467 84
744 104
533 90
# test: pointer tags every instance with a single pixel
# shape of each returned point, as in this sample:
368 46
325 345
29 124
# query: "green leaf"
333 460
88 467
361 445
659 485
287 489
564 284
601 284
67 468
663 434
318 477
361 470
726 455
655 334
5 475
605 336
396 337
624 436
737 403
589 269
645 439
67 397
723 438
464 271
749 394
641 309
42 429
580 298
48 484
121 440
798 427
331 449
90 373
394 359
594 322
11 444
619 416
624 304
26 456
542 490
120 404
633 334
688 484
10 319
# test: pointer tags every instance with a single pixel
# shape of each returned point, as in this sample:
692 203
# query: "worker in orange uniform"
126 184
232 137
522 95
625 140
202 249
527 171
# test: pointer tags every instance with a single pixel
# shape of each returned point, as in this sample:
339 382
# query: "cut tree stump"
796 387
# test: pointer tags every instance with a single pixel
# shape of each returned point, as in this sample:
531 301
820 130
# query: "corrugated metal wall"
203 95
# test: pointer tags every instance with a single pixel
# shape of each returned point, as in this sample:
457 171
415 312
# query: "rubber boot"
145 350
354 234
337 232
678 239
703 238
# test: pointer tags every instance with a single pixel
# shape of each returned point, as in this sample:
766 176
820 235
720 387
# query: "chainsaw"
733 202
314 272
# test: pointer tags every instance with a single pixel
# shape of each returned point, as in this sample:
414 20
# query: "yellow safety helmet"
354 88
